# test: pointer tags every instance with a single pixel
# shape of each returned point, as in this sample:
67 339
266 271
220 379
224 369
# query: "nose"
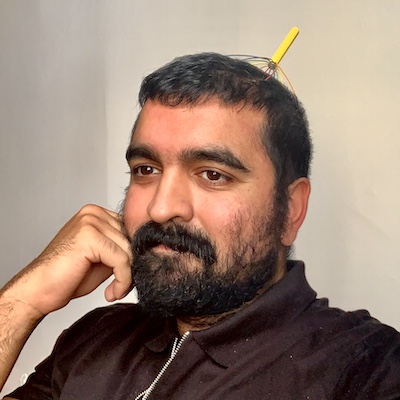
172 200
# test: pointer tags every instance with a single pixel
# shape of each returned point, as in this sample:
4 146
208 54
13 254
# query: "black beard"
199 293
192 281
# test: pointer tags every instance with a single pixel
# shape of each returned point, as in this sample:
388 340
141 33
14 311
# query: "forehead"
207 124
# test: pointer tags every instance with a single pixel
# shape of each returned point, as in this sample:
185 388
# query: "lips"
162 248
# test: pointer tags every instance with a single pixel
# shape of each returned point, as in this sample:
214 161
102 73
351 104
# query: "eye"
215 177
145 170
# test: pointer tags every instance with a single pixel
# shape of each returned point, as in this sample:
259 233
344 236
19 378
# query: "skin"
176 176
187 178
205 194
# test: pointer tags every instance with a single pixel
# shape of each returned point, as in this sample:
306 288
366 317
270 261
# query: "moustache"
177 238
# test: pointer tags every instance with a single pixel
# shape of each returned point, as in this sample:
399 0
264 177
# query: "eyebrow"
141 151
216 154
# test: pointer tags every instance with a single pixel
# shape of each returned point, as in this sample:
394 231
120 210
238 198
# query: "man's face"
200 208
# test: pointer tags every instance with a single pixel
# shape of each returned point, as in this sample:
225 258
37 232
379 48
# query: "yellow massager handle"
283 48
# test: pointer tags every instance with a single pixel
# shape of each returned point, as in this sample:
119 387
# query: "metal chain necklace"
174 351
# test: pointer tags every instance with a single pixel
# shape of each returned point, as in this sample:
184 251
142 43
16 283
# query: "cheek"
224 218
135 210
234 220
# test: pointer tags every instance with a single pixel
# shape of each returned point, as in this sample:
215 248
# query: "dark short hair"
194 79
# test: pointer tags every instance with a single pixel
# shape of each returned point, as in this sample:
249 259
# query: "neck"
199 323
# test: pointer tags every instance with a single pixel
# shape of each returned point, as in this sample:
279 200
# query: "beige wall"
53 137
70 71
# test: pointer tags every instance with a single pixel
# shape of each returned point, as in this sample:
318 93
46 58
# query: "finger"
101 219
114 291
93 280
109 216
113 256
116 236
113 214
115 220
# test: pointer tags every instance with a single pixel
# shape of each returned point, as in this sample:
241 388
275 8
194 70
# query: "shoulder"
90 341
364 351
347 325
110 318
102 335
350 332
101 325
121 314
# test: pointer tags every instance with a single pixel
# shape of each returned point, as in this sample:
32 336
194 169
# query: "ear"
299 192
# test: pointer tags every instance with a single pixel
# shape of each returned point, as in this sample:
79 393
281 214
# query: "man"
219 161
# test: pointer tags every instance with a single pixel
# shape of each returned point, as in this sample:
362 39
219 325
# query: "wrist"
15 307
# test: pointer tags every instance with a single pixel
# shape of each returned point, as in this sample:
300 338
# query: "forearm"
17 322
86 251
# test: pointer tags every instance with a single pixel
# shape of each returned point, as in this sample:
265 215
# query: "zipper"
174 351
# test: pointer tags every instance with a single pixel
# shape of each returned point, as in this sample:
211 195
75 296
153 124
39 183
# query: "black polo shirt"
285 345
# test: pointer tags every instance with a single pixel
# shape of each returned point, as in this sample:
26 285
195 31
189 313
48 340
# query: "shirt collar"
162 341
256 324
246 329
